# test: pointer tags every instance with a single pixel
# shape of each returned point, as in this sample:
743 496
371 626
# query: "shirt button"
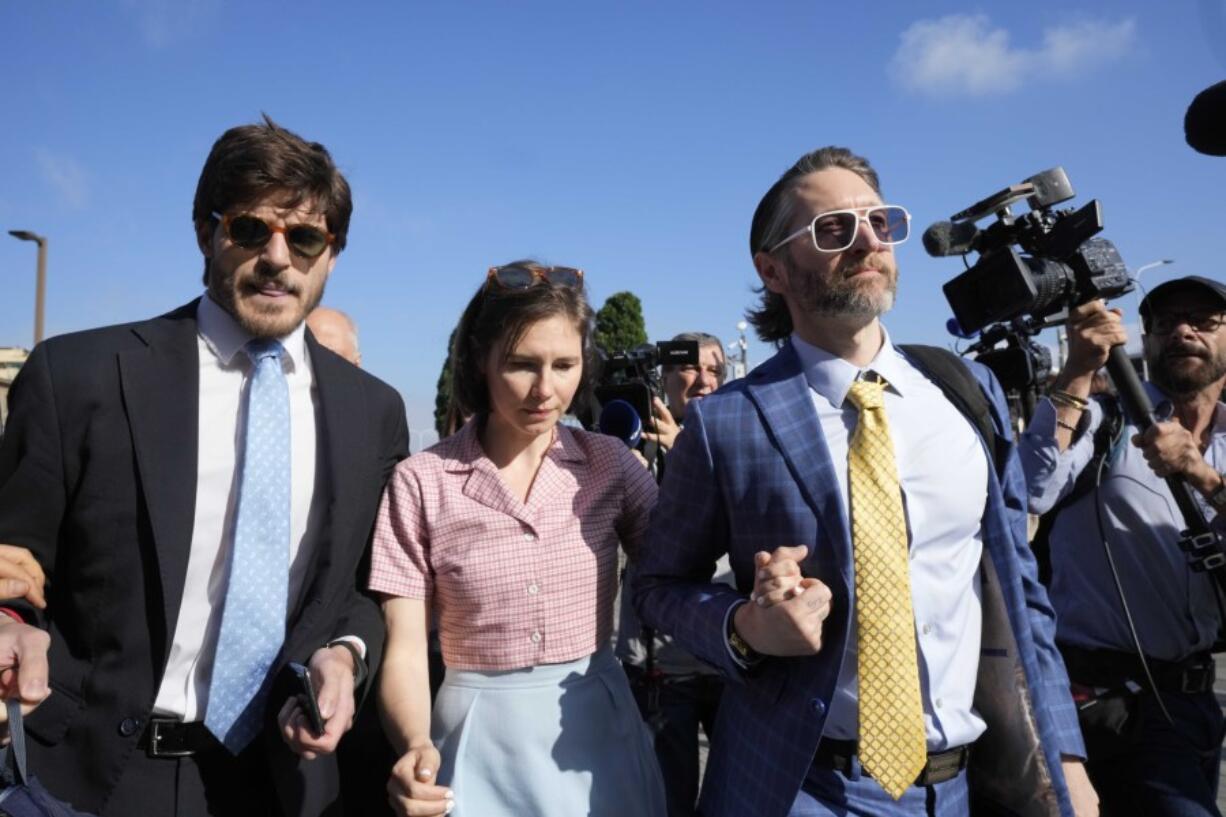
536 637
938 703
927 628
530 536
533 589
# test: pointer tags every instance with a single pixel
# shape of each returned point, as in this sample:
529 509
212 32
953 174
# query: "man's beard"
842 296
1187 380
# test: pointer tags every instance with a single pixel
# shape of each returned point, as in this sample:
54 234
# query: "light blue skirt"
560 740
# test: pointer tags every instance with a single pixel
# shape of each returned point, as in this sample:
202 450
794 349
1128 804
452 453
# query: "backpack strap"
951 375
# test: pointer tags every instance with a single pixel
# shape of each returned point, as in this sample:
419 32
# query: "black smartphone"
307 698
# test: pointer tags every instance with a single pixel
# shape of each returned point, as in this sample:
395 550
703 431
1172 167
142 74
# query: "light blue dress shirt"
1172 606
943 468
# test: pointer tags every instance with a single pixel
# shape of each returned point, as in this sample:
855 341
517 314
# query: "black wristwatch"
1217 499
359 664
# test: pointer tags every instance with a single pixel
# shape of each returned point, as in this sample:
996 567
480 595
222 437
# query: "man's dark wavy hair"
253 162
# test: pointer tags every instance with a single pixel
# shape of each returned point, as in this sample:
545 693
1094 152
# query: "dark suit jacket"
98 479
752 472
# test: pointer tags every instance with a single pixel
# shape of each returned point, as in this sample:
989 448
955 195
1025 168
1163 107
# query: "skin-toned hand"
1092 330
23 664
411 790
1171 449
1085 799
791 626
21 576
778 575
666 427
332 672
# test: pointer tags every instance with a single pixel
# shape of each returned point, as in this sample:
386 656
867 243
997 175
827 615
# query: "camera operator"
676 693
685 383
1111 511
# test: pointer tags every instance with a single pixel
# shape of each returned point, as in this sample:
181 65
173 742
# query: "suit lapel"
782 395
342 440
161 395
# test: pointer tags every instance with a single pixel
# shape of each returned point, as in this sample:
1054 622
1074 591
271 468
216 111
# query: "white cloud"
66 175
164 22
965 55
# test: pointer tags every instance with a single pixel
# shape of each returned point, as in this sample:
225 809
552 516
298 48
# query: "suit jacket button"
818 706
129 727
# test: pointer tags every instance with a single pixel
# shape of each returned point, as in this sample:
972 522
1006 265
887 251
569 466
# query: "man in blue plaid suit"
760 474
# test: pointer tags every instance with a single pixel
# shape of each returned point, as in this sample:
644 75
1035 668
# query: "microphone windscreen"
950 238
1204 125
621 419
937 238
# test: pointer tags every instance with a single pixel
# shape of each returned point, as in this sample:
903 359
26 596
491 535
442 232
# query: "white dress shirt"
943 468
224 374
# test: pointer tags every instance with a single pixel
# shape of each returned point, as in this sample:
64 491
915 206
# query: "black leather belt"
1110 669
941 766
166 737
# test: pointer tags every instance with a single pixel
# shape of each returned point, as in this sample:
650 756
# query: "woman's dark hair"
251 162
498 314
772 220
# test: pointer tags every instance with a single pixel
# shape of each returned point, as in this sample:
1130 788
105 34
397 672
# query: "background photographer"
677 693
685 383
1103 485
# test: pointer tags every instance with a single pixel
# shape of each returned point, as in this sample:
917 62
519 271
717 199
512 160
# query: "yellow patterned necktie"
893 746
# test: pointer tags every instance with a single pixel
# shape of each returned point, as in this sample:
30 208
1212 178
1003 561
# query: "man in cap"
1135 621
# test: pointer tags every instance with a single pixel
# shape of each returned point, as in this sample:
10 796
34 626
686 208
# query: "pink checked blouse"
513 584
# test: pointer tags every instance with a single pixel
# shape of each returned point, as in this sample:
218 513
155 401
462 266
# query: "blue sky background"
632 139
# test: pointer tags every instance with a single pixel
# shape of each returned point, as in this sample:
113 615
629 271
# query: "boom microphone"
1204 125
950 238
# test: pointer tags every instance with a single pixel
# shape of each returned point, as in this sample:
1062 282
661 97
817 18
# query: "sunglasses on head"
836 230
521 276
252 232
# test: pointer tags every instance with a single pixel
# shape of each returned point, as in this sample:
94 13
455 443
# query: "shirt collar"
831 376
225 338
468 453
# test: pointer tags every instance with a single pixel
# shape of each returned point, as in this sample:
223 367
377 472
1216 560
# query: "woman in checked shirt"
507 532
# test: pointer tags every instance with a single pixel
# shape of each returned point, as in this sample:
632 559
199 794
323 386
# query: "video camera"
1030 269
628 381
1060 263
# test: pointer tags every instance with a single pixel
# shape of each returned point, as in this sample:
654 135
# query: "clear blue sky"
632 139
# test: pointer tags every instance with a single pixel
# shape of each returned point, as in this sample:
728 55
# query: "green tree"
619 323
442 393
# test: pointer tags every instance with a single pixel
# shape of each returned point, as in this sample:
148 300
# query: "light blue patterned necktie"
253 618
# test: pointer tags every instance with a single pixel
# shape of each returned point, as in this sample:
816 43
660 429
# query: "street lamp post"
743 344
1136 279
40 286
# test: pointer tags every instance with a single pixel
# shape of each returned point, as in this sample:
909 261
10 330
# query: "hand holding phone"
307 698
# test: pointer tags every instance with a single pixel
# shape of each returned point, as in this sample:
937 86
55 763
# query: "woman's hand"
411 790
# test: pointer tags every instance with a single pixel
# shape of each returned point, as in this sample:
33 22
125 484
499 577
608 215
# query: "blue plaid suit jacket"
752 472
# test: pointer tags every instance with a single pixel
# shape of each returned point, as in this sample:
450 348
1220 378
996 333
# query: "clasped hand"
786 611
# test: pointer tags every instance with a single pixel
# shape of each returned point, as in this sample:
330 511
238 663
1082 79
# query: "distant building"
11 360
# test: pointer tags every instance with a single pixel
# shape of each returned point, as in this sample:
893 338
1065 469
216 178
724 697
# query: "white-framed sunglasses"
836 230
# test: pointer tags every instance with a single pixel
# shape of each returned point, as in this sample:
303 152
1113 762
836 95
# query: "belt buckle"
154 747
1193 679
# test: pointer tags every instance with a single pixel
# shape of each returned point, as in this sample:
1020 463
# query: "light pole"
40 286
1136 279
743 346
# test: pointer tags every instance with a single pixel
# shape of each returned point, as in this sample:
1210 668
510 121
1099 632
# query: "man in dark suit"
199 489
895 617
